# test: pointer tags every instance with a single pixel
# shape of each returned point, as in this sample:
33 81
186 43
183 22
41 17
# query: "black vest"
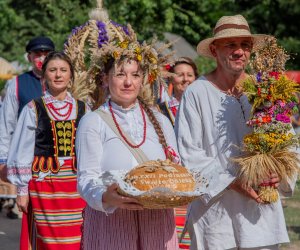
54 139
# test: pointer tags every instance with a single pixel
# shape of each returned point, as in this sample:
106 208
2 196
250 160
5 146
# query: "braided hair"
156 125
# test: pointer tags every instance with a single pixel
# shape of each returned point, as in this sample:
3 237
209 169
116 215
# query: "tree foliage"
21 20
193 19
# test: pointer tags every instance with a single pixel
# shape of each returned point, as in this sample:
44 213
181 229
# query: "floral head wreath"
100 40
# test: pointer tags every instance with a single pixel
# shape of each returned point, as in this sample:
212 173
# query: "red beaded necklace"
120 131
53 110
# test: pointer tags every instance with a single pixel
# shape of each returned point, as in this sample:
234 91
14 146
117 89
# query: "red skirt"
55 219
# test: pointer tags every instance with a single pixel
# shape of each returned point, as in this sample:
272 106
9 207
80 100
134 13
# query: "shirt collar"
121 109
48 98
173 102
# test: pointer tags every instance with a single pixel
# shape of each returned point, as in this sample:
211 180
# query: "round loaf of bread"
153 174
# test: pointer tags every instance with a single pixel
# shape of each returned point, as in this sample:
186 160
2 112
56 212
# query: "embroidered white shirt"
210 126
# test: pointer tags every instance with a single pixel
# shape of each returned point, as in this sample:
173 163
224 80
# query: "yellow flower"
137 50
116 55
152 59
123 44
139 57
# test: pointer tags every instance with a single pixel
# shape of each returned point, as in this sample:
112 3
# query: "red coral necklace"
120 131
55 111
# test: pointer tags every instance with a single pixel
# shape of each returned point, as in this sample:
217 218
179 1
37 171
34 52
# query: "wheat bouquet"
268 149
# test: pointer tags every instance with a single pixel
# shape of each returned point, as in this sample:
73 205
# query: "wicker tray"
155 200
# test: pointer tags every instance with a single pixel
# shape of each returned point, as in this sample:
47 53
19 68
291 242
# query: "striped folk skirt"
55 220
148 229
180 217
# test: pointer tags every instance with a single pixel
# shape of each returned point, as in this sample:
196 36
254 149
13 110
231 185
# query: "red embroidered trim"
35 167
42 166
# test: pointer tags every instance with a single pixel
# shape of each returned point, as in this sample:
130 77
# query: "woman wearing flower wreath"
42 162
122 69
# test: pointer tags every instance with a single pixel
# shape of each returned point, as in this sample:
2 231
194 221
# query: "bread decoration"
153 174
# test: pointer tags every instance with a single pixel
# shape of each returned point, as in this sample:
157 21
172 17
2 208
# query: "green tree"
22 20
278 18
193 19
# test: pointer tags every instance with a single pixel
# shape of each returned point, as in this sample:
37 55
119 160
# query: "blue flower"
102 37
125 29
258 77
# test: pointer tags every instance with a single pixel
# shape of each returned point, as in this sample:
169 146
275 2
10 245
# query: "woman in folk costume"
42 162
121 71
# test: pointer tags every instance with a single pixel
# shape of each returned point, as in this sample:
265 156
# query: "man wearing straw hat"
210 127
20 90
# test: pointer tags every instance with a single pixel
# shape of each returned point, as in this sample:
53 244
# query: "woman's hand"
112 198
22 203
247 191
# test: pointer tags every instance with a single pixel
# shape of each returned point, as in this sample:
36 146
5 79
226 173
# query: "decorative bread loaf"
152 174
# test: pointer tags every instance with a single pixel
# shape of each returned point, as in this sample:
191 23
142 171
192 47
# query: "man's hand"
273 180
3 172
22 203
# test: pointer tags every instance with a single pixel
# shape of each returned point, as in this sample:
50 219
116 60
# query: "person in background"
210 126
185 72
42 162
19 91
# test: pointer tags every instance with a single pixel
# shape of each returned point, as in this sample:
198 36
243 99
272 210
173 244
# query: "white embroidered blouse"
99 149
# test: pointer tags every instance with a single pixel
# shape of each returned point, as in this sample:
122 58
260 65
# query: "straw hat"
229 26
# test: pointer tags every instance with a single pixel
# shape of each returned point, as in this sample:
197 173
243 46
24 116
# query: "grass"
292 218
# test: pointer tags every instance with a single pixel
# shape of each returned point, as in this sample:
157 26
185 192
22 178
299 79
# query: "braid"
155 123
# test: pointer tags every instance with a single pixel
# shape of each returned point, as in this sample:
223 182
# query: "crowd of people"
54 149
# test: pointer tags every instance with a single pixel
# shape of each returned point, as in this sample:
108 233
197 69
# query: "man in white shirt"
210 126
20 90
